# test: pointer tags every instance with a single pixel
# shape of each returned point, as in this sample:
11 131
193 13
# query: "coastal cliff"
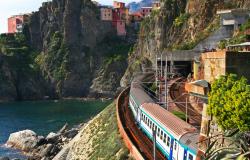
75 53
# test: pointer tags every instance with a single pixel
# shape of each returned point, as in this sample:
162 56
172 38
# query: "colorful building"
135 17
146 11
15 23
121 28
118 15
106 14
118 4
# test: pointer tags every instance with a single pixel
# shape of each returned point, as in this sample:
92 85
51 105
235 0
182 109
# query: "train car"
137 97
175 138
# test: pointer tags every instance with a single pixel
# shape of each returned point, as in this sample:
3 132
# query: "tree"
229 102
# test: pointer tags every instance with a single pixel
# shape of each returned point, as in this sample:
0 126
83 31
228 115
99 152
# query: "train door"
175 150
171 148
185 154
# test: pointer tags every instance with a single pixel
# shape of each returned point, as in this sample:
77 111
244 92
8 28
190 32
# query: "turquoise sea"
43 117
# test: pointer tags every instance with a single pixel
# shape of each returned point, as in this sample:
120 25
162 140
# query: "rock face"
72 46
38 147
177 25
81 44
24 140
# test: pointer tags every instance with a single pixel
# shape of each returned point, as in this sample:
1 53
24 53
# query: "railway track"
140 140
176 94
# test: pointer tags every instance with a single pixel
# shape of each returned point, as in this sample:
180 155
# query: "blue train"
176 139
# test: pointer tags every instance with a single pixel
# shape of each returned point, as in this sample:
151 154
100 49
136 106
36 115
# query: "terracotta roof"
136 14
172 123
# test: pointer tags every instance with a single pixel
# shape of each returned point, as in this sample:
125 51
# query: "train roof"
139 94
181 130
190 140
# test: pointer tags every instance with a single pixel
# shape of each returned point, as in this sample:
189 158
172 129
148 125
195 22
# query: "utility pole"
154 141
161 65
156 74
186 109
166 86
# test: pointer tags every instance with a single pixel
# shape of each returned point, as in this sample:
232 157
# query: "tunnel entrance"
183 68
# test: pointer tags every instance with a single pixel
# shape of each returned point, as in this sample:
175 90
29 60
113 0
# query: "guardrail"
129 144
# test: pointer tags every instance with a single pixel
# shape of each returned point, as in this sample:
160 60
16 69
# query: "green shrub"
229 102
181 115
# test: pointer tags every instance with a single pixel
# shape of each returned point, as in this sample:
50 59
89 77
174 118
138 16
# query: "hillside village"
118 14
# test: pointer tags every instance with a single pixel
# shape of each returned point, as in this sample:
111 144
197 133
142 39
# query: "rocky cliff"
75 51
178 25
75 45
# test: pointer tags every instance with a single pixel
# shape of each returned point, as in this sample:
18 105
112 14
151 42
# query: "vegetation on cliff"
18 68
55 62
100 139
229 102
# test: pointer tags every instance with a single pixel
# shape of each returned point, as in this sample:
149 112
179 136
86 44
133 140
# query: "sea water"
43 117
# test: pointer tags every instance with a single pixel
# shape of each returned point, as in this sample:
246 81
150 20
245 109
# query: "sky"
13 7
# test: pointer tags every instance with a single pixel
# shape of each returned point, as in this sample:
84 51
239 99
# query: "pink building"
120 27
15 23
106 14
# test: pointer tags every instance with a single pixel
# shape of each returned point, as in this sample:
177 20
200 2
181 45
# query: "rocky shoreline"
37 147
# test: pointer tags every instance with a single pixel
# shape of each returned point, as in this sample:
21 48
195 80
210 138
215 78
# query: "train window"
161 135
190 157
158 132
175 145
153 126
168 142
164 138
